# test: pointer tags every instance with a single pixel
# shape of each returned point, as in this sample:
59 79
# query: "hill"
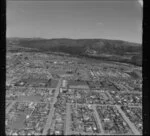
114 50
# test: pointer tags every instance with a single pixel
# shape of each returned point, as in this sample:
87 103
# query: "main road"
50 116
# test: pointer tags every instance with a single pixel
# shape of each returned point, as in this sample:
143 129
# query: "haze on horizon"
109 19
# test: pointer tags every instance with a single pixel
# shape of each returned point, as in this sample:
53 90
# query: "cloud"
140 2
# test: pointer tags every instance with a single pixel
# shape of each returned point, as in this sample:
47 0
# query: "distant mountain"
114 50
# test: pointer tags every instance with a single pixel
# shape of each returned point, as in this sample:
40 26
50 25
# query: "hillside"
114 50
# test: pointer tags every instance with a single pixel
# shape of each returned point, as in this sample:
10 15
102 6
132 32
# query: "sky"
108 19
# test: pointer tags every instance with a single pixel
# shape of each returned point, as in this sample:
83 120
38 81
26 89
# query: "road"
50 116
98 120
131 125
